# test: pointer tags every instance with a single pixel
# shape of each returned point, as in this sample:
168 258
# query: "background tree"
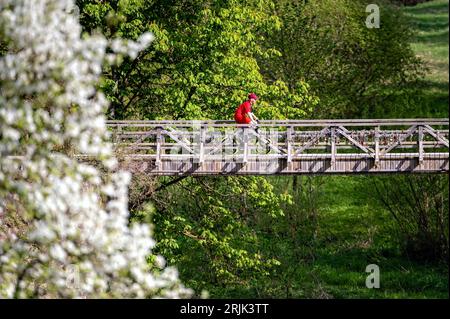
355 71
203 62
209 228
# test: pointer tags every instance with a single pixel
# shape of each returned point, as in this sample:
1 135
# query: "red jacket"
240 114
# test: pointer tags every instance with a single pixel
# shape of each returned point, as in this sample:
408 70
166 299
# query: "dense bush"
419 205
355 71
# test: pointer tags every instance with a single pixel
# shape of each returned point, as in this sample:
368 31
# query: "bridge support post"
159 140
118 138
420 144
289 134
333 145
377 146
202 145
245 160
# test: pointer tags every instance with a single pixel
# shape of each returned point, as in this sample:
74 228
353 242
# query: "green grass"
353 231
430 21
357 232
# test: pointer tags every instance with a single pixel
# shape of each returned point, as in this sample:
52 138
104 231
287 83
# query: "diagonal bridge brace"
169 132
220 144
323 133
403 137
344 132
433 133
253 132
268 142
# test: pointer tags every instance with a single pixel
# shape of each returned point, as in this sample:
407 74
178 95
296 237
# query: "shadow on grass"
432 20
429 7
436 38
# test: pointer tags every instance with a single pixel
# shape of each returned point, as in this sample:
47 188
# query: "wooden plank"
262 168
259 157
202 144
324 122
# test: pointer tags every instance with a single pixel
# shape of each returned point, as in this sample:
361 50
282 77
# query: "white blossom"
160 261
78 217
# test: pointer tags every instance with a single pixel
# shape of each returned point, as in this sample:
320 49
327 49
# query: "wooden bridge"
282 147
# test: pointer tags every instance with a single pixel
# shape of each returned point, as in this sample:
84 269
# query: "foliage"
419 204
77 241
355 71
410 2
212 239
202 64
331 228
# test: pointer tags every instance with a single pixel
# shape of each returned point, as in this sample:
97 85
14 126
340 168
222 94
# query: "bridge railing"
293 139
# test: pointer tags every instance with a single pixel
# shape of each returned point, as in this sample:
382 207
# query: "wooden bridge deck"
282 147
